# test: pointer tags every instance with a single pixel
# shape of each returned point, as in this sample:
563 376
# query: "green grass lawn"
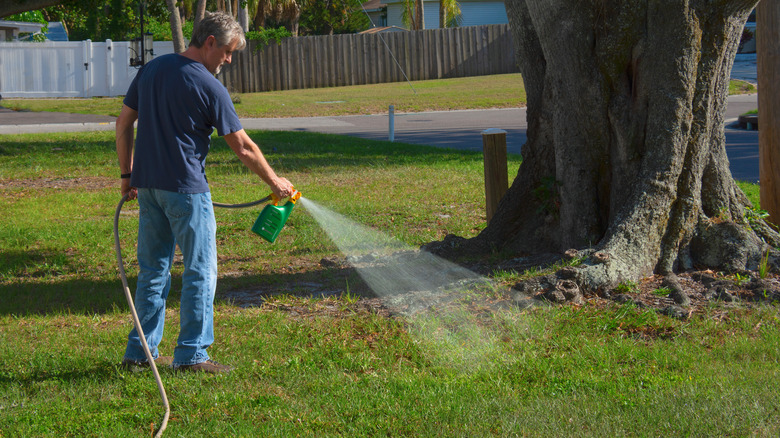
326 366
742 87
478 92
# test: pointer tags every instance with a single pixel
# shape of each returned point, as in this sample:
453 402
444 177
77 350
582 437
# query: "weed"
754 215
506 276
347 298
763 266
627 287
740 279
575 261
723 215
662 291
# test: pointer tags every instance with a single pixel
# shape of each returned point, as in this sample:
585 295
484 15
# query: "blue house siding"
475 13
478 13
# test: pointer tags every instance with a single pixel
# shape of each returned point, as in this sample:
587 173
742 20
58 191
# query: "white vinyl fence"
69 69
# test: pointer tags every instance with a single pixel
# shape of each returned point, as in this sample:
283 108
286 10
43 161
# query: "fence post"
86 58
496 183
109 67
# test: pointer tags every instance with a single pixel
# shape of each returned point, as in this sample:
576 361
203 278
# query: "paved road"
463 130
454 129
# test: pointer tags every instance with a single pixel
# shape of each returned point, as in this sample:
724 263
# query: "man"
178 103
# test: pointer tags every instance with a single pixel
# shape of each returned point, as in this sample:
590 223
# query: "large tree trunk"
626 149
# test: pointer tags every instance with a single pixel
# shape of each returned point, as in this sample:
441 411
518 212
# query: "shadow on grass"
102 371
298 151
253 289
90 297
47 297
33 263
294 150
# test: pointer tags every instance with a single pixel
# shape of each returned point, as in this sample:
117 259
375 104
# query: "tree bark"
200 12
12 7
419 12
626 148
262 11
243 18
176 32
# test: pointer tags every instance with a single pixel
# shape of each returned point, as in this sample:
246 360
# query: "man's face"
217 55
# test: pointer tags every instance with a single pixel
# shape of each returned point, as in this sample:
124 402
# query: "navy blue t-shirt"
179 104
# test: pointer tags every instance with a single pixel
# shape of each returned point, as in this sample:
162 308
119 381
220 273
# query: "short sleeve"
224 115
131 98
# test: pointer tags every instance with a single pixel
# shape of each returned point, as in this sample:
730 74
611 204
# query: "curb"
49 128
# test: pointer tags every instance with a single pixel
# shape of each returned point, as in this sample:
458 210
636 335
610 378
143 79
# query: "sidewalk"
23 122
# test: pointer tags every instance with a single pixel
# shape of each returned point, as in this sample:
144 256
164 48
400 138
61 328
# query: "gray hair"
222 26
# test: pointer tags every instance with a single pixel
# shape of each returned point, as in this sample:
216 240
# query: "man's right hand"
126 189
282 188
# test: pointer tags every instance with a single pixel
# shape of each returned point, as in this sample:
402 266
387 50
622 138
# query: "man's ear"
211 40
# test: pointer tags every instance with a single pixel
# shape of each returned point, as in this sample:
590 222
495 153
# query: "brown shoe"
136 366
209 366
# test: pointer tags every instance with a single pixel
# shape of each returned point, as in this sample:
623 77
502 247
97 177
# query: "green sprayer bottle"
273 217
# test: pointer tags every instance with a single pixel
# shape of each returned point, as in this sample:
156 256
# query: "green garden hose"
136 321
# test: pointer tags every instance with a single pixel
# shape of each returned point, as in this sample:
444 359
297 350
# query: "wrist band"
124 175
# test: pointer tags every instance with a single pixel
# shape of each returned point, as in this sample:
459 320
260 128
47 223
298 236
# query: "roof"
373 5
22 26
384 29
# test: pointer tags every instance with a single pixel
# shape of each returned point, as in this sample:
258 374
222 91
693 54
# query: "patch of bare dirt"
86 183
689 293
678 296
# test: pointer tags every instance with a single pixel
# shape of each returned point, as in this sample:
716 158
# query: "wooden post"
496 182
768 58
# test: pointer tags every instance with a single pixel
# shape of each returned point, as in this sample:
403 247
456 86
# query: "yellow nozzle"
294 197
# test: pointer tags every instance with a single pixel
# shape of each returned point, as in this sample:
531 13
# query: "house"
23 31
16 30
474 12
56 31
377 12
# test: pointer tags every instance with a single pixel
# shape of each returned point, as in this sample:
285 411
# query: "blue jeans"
166 219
